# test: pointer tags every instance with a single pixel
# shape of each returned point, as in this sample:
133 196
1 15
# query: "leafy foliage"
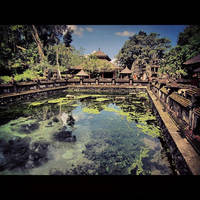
5 79
21 46
188 46
142 48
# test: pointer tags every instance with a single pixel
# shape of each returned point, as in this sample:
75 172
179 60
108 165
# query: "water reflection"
88 134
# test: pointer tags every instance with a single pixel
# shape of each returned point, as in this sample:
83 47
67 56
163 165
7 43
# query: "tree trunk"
57 63
38 42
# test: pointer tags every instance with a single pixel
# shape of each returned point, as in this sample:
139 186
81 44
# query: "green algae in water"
38 103
149 130
138 162
59 100
90 110
102 99
109 139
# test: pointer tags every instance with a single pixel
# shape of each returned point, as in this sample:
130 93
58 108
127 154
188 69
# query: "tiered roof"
82 73
77 67
101 55
126 71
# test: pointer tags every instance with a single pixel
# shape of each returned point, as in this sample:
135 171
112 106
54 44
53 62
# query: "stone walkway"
189 154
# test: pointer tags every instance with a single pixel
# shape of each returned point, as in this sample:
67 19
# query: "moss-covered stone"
90 110
102 99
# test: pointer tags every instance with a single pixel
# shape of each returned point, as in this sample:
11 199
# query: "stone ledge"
187 151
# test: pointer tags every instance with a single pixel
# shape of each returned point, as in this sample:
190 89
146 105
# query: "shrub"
5 79
27 75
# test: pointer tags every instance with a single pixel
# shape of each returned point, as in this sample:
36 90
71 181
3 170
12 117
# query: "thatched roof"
101 55
126 71
193 91
181 100
111 67
195 59
82 73
197 111
178 85
197 70
77 67
164 90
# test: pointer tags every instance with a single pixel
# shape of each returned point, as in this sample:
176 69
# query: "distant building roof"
178 85
101 55
82 73
77 67
181 100
126 71
157 85
195 59
164 80
197 111
164 90
197 70
193 91
112 67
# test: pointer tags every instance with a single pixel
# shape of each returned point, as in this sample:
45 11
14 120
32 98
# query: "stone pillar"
15 87
130 81
113 81
97 82
81 81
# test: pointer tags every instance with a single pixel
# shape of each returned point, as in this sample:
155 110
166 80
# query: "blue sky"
111 38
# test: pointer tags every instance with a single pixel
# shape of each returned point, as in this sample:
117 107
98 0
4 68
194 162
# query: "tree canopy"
142 47
24 47
188 46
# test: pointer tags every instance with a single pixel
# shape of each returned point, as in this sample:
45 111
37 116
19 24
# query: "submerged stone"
28 128
56 172
18 153
55 119
70 121
65 136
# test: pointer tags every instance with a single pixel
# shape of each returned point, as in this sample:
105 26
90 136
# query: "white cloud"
125 33
89 29
77 30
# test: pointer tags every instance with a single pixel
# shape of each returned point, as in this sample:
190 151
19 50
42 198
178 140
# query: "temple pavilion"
109 70
82 74
125 73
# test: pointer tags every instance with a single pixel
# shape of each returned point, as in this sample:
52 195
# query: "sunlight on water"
86 134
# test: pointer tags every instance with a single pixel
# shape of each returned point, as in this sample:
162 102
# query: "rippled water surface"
110 135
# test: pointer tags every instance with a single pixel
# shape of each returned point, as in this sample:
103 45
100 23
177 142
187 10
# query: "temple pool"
82 134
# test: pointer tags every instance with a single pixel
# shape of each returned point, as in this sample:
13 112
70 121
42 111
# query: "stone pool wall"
176 156
35 94
182 154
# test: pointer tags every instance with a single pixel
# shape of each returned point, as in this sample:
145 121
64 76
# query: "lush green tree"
143 47
171 63
25 47
188 46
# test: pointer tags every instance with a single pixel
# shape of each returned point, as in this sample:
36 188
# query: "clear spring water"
115 135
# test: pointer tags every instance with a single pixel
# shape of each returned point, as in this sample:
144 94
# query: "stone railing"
42 84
